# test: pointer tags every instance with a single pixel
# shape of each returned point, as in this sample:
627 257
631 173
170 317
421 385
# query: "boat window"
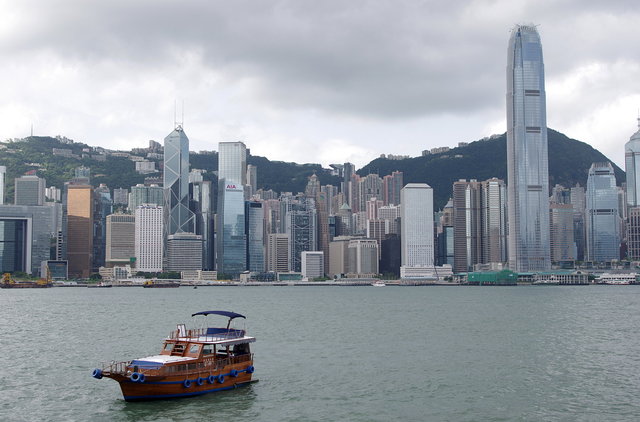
168 347
207 349
241 349
193 350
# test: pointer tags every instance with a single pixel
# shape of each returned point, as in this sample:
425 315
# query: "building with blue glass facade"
177 216
632 168
527 156
231 251
602 219
255 236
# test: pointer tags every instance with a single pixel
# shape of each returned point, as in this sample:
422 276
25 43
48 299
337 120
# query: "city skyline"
296 95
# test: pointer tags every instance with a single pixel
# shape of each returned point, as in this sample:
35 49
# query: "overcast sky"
310 81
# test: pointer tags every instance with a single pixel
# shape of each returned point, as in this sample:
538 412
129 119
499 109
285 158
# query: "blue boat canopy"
228 314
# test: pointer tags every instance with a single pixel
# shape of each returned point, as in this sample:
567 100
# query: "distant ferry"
101 284
378 284
191 363
617 279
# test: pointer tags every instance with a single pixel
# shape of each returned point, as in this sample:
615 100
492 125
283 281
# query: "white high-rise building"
3 172
527 156
120 242
632 168
312 264
417 230
149 238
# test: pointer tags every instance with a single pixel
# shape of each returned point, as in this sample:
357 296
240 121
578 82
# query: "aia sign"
231 187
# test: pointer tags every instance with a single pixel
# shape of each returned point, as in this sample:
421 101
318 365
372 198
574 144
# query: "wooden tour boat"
191 362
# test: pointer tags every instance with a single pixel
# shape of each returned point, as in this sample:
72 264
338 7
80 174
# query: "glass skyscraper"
178 217
255 236
231 236
632 168
603 236
527 160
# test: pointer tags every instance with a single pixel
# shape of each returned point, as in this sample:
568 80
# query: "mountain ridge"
569 161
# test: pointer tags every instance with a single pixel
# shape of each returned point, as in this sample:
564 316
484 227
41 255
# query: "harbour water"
337 353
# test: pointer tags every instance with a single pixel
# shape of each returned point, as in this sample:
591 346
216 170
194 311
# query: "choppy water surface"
337 353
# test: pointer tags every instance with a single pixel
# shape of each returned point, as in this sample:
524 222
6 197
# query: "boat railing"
208 334
206 365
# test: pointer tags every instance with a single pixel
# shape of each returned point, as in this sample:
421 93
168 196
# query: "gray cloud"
371 60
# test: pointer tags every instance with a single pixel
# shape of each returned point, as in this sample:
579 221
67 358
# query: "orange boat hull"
166 387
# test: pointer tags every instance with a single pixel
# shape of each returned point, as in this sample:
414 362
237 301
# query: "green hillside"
35 153
569 161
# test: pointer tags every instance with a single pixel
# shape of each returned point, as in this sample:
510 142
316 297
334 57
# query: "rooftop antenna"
175 115
639 118
32 128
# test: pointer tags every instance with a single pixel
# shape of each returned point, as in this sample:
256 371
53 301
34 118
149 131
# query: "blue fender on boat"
221 379
211 379
135 377
97 373
250 369
233 373
200 381
141 377
187 383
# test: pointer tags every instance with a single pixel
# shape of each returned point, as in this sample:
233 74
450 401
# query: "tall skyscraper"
349 170
3 173
103 206
632 168
149 245
29 190
578 200
252 179
232 162
301 225
323 227
479 223
201 205
231 236
494 221
633 234
80 230
392 184
602 223
416 230
527 157
255 236
562 244
278 253
467 225
177 216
